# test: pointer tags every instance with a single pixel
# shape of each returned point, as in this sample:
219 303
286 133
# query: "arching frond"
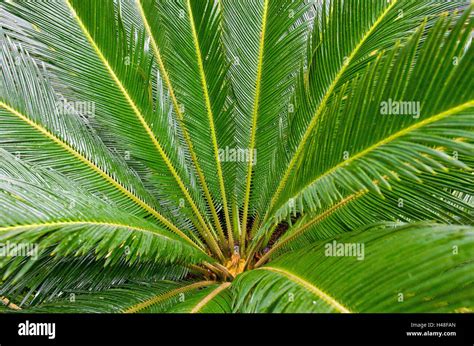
341 155
60 279
131 298
186 39
411 268
266 52
45 209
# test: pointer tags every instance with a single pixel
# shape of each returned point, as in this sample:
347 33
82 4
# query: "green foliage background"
114 116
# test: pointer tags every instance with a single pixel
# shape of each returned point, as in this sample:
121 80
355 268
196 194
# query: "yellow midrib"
210 116
322 105
79 223
323 215
310 287
209 297
253 129
140 117
161 297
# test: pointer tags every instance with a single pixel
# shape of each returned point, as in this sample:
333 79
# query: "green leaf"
441 196
53 278
215 299
46 132
411 268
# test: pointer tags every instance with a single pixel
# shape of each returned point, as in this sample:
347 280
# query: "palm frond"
272 34
44 210
340 155
39 132
48 278
440 197
412 268
215 299
129 298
